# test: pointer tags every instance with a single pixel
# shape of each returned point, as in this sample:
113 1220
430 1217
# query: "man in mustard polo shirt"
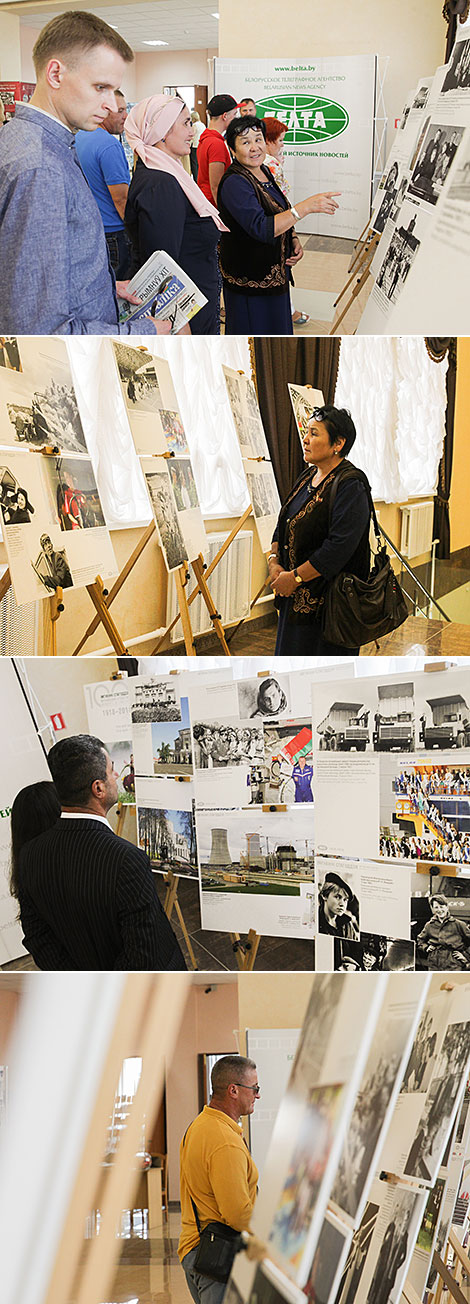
216 1168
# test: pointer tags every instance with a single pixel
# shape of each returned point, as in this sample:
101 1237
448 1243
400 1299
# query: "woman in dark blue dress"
261 246
166 209
312 544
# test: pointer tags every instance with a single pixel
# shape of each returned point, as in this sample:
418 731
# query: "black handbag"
218 1245
358 611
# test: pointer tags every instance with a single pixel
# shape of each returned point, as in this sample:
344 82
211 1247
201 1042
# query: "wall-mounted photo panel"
378 1090
180 526
246 414
440 921
150 400
433 1085
264 495
54 528
109 718
166 827
155 702
304 400
39 407
256 871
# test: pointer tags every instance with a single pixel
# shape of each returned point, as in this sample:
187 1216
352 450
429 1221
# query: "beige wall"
171 68
10 49
9 1002
28 37
412 34
272 1000
210 1025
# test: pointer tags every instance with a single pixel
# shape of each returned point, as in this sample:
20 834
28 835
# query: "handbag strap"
353 473
196 1215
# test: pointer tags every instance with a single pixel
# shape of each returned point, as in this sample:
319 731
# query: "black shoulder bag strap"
353 473
196 1215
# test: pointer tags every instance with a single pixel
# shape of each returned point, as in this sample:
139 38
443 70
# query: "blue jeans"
119 253
204 1290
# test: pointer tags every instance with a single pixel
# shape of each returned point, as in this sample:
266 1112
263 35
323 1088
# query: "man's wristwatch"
297 577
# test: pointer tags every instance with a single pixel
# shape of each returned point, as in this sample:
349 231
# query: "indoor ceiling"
182 24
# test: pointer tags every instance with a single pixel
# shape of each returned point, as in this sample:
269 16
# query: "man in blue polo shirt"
104 163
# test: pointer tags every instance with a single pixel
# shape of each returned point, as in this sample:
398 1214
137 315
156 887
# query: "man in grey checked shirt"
55 276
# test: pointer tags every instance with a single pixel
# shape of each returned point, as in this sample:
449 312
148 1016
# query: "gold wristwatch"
297 577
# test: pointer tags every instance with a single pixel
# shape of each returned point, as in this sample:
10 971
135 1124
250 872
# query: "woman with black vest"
323 528
261 246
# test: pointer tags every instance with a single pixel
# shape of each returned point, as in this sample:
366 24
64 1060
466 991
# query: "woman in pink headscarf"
165 208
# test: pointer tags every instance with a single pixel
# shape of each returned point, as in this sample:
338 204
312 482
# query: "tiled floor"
148 1270
325 267
214 951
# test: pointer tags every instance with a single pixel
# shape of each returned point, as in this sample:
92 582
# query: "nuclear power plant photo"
248 852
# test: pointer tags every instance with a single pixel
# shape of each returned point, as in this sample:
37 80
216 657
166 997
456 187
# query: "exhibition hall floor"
319 279
149 1270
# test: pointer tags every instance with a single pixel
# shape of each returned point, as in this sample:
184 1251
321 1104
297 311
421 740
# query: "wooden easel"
170 879
448 1279
246 952
360 275
55 605
171 903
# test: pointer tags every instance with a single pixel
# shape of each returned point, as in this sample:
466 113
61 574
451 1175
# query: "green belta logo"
308 118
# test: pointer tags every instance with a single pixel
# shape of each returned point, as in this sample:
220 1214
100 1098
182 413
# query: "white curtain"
196 367
397 399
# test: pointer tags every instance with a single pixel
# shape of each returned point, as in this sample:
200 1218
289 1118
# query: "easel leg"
171 903
246 952
181 582
97 596
5 583
198 568
121 814
117 586
215 561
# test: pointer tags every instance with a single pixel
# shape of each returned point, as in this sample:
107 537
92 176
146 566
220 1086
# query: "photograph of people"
393 1254
309 549
338 908
52 566
265 697
302 774
259 245
165 208
16 507
444 942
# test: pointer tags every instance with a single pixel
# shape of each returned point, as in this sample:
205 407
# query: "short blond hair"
76 33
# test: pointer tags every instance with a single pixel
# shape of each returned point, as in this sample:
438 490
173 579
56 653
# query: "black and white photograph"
459 189
377 1090
250 851
385 211
246 415
374 953
15 503
10 353
263 493
331 1248
429 1143
163 503
183 483
457 77
73 493
40 415
338 904
270 1286
51 565
345 728
421 97
154 699
393 1250
422 1059
169 839
357 1255
440 922
232 742
264 698
434 160
138 378
399 257
322 1012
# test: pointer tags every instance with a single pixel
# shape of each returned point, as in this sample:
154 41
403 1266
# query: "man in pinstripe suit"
88 898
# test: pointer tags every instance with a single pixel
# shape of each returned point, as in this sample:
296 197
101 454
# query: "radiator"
230 586
18 627
416 528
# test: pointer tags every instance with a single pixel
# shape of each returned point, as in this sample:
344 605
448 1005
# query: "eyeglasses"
256 1090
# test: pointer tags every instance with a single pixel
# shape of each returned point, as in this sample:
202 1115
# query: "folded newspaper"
165 291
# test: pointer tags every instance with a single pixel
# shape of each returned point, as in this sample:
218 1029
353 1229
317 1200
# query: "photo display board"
161 444
421 209
397 751
53 523
304 400
345 1222
257 466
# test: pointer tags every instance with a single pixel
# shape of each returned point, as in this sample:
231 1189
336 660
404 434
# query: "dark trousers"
119 253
